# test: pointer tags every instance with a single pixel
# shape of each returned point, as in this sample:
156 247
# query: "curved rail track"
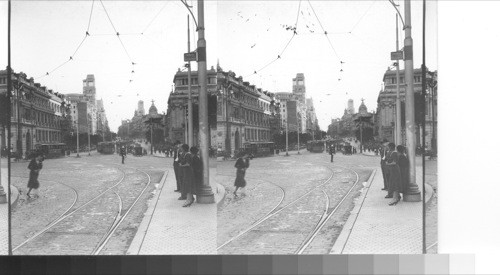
118 219
328 211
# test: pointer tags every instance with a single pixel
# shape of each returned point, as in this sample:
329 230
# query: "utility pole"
298 135
286 136
413 193
88 131
77 140
205 195
398 100
424 91
151 136
9 135
190 99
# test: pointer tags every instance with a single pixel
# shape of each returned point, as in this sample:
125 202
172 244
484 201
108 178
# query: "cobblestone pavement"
78 186
268 179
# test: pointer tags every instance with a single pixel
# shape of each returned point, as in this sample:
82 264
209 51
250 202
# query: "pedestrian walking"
383 153
123 153
404 168
34 166
332 152
178 174
394 173
241 165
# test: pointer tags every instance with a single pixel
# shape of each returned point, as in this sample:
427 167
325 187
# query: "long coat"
405 172
394 173
34 168
188 180
241 166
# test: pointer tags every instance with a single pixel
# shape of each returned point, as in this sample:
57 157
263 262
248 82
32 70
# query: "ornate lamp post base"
413 194
206 196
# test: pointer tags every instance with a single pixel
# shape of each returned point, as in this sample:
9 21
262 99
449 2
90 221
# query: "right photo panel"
326 132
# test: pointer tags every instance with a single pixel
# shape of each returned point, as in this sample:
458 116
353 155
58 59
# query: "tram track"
327 212
118 219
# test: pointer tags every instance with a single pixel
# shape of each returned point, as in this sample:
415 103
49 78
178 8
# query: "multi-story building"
245 114
176 118
386 109
311 119
37 113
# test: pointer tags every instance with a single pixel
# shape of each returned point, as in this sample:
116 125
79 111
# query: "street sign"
397 55
192 56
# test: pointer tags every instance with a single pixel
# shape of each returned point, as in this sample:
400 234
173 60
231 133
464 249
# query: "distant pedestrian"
394 173
241 165
123 153
35 166
404 168
332 152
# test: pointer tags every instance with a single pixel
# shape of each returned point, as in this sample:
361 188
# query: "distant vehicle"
106 147
54 150
316 146
259 149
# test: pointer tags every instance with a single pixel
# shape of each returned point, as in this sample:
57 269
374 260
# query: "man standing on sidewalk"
383 153
178 173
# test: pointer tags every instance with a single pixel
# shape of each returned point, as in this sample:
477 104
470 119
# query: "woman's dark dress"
34 167
394 173
405 175
197 167
188 181
241 166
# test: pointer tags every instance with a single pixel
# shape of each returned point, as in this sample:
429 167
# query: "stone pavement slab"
4 237
374 227
168 228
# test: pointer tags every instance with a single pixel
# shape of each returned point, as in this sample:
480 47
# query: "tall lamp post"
88 131
205 195
413 193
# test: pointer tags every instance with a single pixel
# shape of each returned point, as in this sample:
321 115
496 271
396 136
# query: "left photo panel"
108 128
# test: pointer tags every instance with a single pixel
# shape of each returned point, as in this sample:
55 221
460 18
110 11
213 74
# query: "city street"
290 204
88 205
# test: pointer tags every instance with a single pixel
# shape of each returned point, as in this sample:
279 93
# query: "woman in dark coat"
241 167
35 166
394 174
188 185
197 167
403 167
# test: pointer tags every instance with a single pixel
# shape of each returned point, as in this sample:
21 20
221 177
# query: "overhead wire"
154 18
286 46
77 48
361 18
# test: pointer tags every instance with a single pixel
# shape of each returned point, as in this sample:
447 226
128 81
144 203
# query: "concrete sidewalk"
168 228
4 245
374 227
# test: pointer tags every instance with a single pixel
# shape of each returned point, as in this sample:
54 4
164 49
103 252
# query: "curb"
136 243
339 244
14 196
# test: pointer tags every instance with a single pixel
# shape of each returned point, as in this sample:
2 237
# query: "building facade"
386 108
245 114
176 118
37 114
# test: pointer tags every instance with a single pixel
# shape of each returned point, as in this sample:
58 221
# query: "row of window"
257 135
48 136
194 81
252 117
393 80
37 116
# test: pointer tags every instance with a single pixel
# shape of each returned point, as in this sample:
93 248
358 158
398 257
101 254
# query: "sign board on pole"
397 55
192 56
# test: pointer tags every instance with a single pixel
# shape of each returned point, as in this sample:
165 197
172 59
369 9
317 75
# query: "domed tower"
152 110
362 108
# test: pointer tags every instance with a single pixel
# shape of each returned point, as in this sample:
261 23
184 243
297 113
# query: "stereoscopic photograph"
218 127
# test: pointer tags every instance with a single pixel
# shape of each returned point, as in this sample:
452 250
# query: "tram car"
106 147
259 149
137 150
316 146
54 150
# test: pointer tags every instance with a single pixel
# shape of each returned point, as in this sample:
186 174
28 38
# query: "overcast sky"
243 35
45 34
251 34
